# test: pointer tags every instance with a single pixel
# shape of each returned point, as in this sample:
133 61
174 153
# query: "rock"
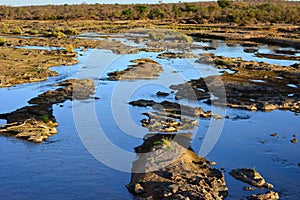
250 50
249 188
162 94
36 123
164 122
267 196
174 108
218 117
144 68
138 189
277 57
71 89
176 55
294 140
253 86
251 177
274 135
173 171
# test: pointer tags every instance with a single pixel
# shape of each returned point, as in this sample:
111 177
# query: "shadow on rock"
36 123
168 169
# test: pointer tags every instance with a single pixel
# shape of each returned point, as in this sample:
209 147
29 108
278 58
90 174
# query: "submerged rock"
168 169
267 196
251 177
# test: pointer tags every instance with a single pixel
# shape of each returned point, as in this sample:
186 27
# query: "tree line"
222 11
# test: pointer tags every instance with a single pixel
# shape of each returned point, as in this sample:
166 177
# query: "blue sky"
43 2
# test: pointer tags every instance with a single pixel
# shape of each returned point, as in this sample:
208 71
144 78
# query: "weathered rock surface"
144 68
174 108
20 66
253 86
277 56
70 89
167 122
36 123
176 55
167 169
267 196
251 177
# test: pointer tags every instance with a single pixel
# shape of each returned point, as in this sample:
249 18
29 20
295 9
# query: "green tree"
128 14
224 3
142 10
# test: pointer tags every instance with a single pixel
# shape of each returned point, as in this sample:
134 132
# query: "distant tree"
128 14
224 3
142 10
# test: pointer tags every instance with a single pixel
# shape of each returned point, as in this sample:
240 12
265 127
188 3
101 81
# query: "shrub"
58 34
224 3
71 31
18 30
33 32
69 48
2 41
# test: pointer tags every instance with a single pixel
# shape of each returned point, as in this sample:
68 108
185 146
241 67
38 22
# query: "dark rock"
176 55
162 94
277 57
36 123
250 50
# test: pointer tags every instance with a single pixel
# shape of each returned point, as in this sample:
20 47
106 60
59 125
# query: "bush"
18 30
33 32
58 34
69 48
2 41
71 31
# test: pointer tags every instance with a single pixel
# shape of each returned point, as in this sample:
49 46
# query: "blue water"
73 164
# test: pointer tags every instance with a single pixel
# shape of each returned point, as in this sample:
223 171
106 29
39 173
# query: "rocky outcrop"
143 69
277 57
167 122
176 55
173 108
253 86
70 89
36 123
251 177
20 66
267 196
167 169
